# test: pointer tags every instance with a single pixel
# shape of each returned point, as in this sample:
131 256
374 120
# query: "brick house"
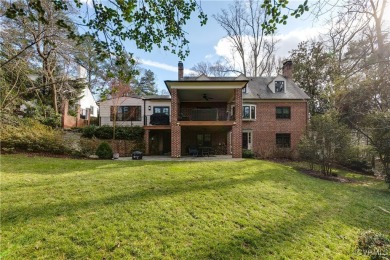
201 115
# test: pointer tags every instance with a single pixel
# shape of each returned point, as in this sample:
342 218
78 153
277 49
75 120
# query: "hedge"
133 133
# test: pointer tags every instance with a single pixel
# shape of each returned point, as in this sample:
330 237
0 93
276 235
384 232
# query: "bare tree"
217 69
242 22
38 33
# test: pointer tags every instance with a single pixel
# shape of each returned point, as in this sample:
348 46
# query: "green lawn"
83 209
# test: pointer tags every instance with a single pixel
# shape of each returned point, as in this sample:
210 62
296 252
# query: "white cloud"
287 42
290 41
209 56
163 66
88 2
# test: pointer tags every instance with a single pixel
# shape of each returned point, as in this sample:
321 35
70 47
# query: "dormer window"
279 86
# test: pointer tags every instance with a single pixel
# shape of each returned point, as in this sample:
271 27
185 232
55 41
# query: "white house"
87 102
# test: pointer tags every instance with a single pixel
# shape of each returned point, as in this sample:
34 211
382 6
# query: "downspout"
145 118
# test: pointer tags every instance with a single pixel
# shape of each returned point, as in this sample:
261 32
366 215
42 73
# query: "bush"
88 131
88 146
247 154
31 135
104 151
129 133
134 133
44 114
358 165
373 244
104 132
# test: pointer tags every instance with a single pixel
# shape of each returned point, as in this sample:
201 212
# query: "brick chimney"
180 70
287 70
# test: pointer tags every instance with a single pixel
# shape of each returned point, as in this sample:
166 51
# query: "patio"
186 158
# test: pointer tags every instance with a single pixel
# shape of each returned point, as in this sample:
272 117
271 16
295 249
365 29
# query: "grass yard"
83 209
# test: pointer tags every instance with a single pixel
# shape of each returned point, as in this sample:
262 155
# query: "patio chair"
193 151
206 151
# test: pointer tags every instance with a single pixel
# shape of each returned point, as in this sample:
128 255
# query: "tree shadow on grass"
160 188
308 231
47 165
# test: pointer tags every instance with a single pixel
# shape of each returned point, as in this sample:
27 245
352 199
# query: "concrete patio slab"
186 158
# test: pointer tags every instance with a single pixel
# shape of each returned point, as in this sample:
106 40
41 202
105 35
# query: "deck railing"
203 114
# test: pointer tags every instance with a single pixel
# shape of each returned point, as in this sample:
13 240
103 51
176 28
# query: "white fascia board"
206 84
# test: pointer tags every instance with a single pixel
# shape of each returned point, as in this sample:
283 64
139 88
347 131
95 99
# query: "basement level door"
247 140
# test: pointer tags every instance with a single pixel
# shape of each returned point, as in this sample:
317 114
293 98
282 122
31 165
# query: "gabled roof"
258 88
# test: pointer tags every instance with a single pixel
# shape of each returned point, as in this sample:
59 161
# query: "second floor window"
161 110
283 112
249 112
126 113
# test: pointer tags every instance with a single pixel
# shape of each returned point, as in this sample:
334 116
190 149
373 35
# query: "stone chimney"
287 70
180 70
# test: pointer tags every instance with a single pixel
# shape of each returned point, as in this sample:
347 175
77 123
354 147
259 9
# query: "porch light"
149 108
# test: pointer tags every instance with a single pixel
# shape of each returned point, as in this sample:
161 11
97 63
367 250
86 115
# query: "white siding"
123 101
130 101
87 101
271 85
156 103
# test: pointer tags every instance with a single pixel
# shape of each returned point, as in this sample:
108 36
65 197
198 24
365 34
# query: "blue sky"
206 43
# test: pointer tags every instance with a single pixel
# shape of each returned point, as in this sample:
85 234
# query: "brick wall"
123 147
237 128
146 140
175 127
68 121
266 126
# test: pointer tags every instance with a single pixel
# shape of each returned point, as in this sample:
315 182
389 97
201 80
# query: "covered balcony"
205 106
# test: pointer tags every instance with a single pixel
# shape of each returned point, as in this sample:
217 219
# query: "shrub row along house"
219 115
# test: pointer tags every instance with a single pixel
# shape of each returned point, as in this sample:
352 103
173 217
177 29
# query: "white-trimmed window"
279 86
126 113
249 112
247 139
161 110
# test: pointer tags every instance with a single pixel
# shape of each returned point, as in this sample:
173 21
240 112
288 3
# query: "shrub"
44 114
88 131
129 133
357 165
88 146
104 151
104 132
134 133
247 154
373 244
31 135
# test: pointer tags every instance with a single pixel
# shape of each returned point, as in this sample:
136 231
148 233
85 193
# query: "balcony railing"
203 114
157 119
